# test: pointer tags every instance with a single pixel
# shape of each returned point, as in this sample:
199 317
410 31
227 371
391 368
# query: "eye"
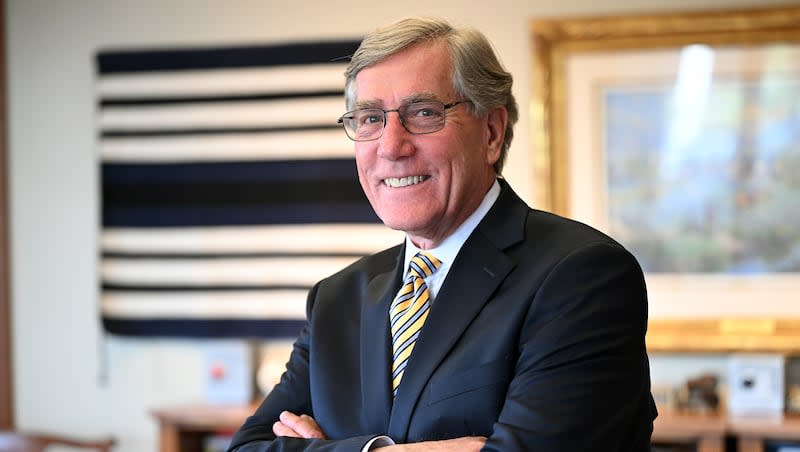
424 110
370 117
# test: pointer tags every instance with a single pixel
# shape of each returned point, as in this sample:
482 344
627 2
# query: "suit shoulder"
553 238
554 229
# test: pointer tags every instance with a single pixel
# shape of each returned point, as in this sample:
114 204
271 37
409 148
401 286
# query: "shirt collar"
450 246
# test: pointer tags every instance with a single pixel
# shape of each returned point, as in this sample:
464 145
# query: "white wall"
68 376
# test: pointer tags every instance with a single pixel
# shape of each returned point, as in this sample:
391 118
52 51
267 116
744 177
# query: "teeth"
403 181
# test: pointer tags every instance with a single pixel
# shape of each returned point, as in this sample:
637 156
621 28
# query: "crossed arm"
304 426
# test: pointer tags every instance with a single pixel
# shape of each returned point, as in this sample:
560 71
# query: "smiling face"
425 185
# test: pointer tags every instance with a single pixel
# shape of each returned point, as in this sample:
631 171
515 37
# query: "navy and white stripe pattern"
228 189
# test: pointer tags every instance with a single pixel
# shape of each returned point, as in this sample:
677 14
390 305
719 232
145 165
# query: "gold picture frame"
560 42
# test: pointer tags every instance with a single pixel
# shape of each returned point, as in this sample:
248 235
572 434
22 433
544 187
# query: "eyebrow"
416 97
367 104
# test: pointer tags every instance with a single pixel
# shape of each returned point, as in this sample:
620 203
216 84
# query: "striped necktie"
408 312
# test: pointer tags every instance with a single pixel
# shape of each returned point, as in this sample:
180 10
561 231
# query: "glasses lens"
364 125
423 117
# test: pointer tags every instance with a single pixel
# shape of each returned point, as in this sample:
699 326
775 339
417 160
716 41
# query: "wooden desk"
753 432
183 428
708 432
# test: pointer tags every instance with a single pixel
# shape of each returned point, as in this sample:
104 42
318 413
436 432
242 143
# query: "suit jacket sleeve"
582 374
292 393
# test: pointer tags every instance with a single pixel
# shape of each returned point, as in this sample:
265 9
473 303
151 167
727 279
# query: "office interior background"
68 375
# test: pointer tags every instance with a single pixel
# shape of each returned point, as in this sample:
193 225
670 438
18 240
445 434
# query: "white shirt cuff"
378 441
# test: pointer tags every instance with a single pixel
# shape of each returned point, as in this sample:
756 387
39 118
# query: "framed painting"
679 135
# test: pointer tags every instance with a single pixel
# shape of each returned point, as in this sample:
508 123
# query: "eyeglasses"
367 124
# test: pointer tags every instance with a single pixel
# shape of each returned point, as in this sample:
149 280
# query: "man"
514 330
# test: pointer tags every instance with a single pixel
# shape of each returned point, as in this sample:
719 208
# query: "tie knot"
423 265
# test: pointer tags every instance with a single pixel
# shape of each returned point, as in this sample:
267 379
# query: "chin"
405 217
398 224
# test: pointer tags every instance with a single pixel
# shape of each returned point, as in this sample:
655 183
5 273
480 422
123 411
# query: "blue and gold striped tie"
408 312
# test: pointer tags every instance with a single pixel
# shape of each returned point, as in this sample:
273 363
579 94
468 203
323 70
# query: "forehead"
421 72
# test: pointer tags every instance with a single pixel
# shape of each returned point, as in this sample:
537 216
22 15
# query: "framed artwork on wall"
679 135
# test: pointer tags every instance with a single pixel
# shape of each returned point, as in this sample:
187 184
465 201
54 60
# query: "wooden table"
708 432
753 432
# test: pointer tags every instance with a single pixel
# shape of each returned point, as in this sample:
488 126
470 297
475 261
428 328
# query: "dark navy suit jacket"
535 340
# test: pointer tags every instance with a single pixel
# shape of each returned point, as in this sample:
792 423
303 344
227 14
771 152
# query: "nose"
395 141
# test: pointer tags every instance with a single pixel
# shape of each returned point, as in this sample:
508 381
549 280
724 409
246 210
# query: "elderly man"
494 326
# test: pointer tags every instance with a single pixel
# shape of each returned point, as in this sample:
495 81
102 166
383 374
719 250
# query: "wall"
68 375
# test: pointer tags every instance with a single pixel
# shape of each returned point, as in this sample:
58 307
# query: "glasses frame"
402 120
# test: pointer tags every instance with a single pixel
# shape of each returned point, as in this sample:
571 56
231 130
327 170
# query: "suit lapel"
480 267
376 346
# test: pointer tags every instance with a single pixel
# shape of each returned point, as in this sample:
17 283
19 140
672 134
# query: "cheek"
363 166
363 160
362 178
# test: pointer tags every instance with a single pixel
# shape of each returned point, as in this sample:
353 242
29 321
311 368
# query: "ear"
495 133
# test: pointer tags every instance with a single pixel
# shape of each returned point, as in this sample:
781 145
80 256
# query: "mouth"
398 182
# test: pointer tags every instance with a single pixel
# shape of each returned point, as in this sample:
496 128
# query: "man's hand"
464 444
303 426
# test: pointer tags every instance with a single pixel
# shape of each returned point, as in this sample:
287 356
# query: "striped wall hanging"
227 188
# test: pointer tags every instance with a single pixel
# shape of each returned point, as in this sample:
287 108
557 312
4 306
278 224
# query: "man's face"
425 185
